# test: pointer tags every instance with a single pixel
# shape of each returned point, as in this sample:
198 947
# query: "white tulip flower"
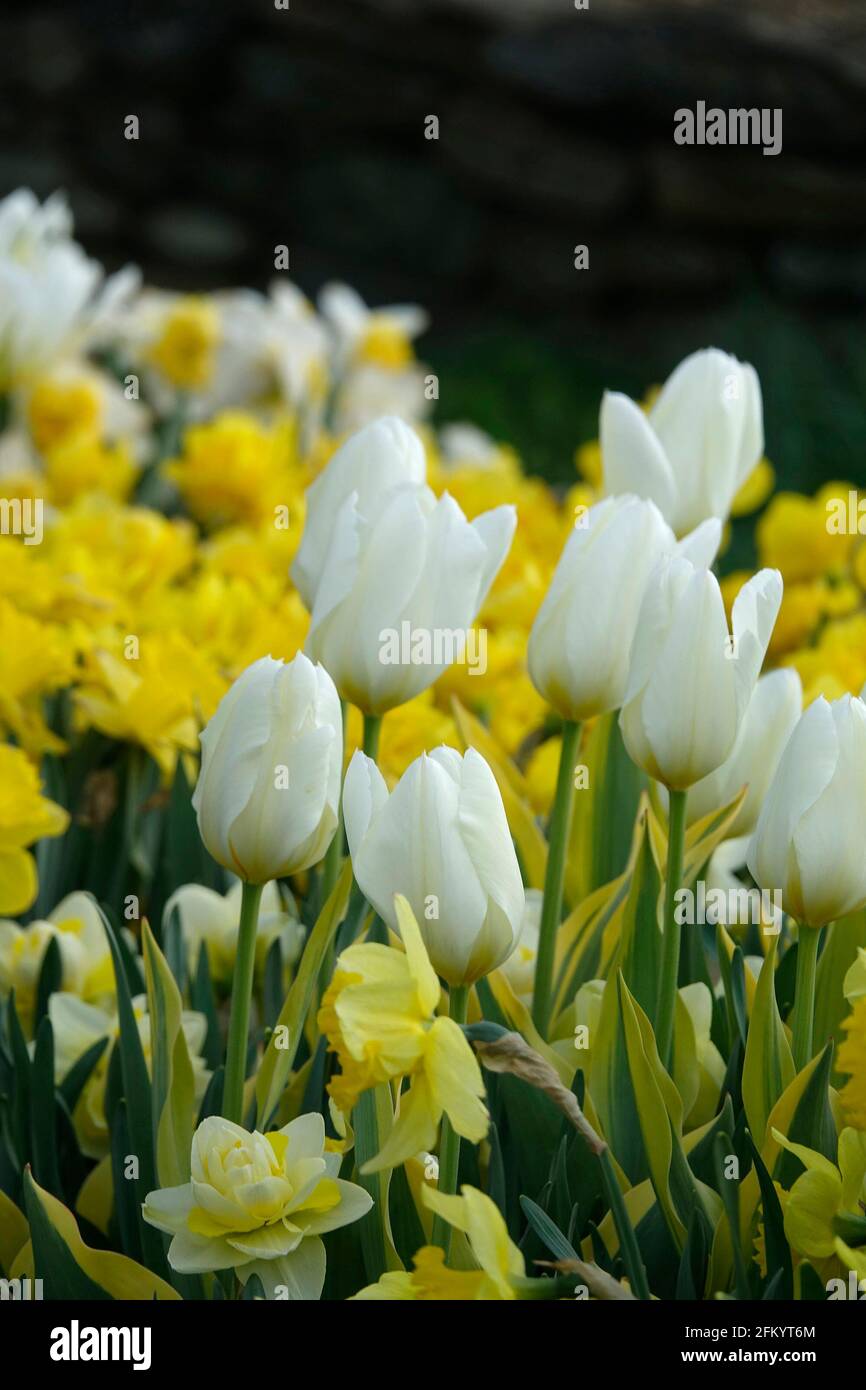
690 681
269 786
809 838
768 723
369 465
695 447
442 840
579 646
399 591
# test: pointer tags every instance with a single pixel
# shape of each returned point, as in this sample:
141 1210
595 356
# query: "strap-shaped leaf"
172 1084
281 1050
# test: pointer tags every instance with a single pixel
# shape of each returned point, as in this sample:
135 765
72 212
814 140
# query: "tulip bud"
269 785
579 646
768 723
380 457
809 839
442 840
690 682
399 591
695 447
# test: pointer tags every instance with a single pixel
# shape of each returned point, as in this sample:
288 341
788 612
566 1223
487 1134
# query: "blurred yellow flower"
25 816
235 469
82 464
60 408
35 659
157 694
185 349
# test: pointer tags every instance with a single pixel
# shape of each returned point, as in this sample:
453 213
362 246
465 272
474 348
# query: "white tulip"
697 444
768 723
399 592
809 839
269 785
442 840
690 682
579 646
369 465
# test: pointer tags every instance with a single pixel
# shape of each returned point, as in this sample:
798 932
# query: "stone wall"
261 126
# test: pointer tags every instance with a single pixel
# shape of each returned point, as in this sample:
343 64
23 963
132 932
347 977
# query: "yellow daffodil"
236 470
84 464
258 1204
379 1016
499 1262
60 408
35 659
156 696
185 349
826 1209
25 816
793 535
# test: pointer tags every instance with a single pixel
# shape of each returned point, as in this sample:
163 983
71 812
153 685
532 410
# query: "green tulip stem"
803 1017
239 1017
449 1143
374 1229
551 907
334 855
372 730
670 962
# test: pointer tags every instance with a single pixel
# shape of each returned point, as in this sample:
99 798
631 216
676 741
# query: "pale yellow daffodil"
379 1016
826 1209
499 1261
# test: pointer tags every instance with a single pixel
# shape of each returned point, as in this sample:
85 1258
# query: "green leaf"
172 1083
79 1073
20 1107
776 1248
70 1269
641 939
838 954
547 1231
729 1189
50 979
203 1001
137 1094
812 1124
659 1110
43 1111
282 1048
768 1067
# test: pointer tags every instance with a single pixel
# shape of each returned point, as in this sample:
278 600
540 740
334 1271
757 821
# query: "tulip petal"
633 459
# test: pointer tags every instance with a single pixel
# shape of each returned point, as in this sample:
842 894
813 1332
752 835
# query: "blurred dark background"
305 126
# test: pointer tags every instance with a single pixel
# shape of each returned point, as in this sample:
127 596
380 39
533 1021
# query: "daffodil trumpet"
551 908
239 1017
670 962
